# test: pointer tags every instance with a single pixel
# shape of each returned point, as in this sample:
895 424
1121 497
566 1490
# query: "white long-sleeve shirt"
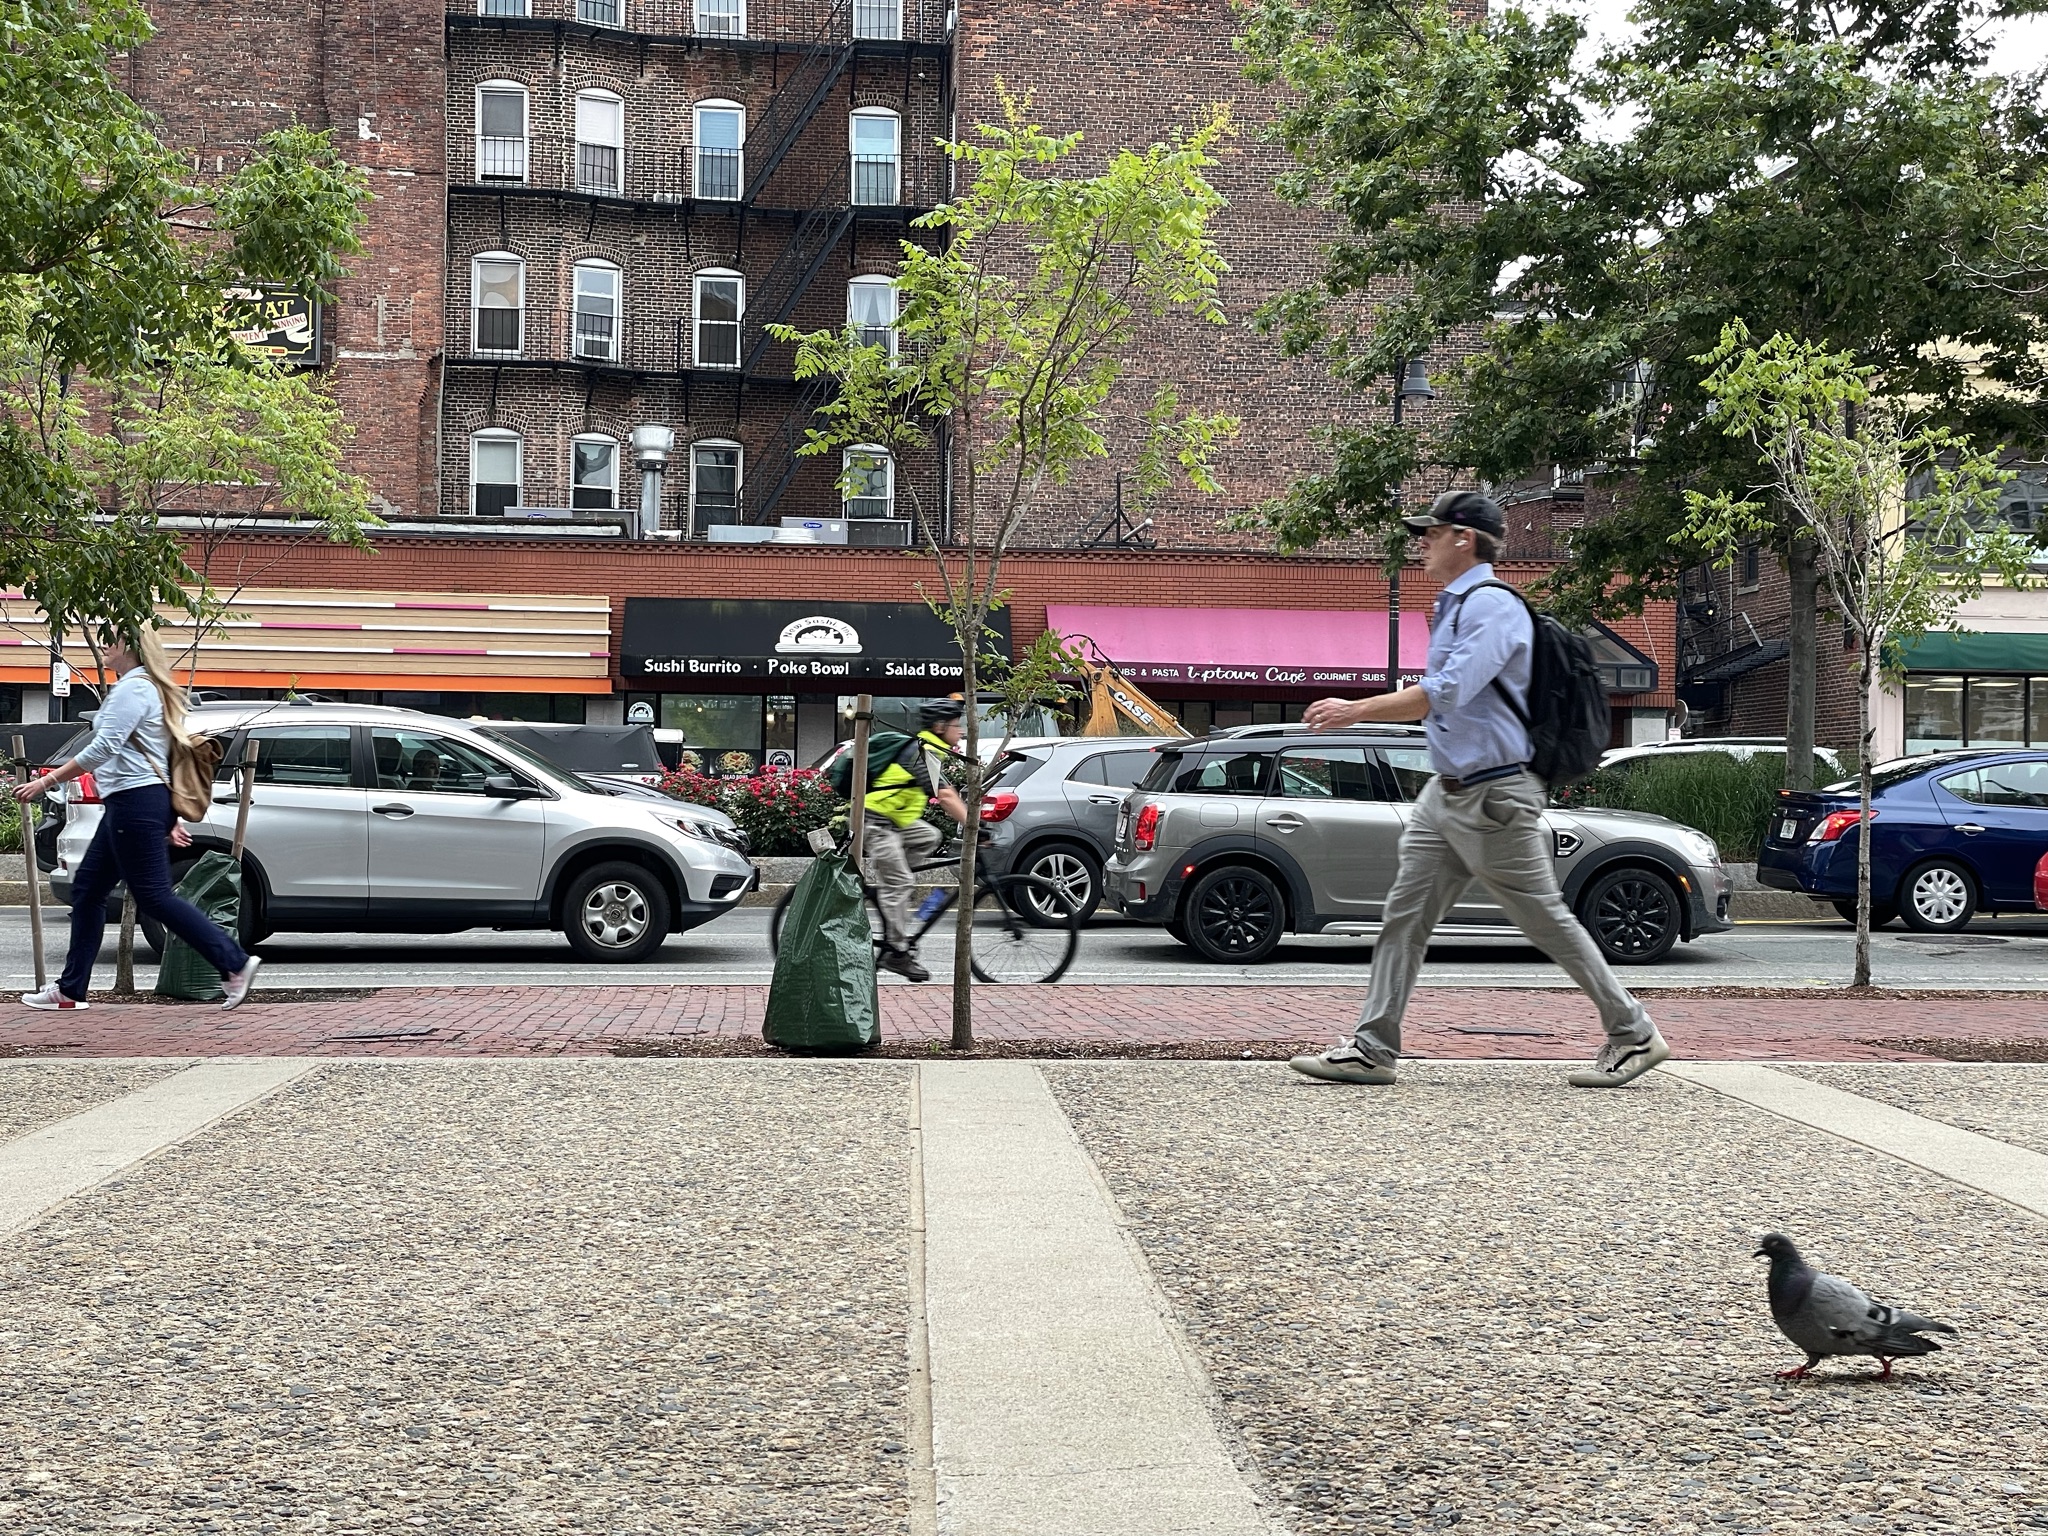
130 745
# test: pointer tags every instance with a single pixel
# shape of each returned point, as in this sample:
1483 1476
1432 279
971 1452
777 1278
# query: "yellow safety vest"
896 794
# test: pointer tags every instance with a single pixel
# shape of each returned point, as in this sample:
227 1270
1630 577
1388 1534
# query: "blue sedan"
1955 834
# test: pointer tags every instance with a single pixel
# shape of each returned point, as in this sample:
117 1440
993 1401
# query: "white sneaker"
1344 1063
237 986
1623 1061
50 997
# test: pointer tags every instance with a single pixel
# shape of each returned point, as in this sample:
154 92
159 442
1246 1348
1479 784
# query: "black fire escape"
1717 643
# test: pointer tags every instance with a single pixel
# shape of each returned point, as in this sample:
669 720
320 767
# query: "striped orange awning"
278 638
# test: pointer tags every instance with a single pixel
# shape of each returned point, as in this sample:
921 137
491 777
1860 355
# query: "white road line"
1063 1402
49 1166
2012 1174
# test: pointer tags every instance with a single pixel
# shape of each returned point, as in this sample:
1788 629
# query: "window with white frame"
721 302
497 284
878 18
501 131
877 157
715 482
600 141
598 13
503 8
494 470
871 309
594 474
721 18
721 139
597 312
868 482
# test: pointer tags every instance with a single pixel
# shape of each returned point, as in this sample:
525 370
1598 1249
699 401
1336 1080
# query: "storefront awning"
1244 647
313 638
707 645
1987 651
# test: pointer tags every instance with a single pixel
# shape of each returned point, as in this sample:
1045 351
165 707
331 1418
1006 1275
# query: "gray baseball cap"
1461 509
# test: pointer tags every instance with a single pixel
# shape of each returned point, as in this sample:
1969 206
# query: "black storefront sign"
277 323
698 644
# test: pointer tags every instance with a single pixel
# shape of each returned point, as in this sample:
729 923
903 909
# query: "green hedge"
1727 798
10 820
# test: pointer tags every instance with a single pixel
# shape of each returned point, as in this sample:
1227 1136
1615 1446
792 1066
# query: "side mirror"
502 786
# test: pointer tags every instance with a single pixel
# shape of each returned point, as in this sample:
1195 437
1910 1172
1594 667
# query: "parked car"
367 819
1954 834
1236 839
1742 748
1050 809
594 752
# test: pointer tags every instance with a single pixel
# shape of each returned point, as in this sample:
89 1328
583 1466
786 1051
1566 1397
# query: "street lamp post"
1412 383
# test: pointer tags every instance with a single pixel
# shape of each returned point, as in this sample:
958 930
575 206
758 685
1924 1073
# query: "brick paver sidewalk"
1544 1024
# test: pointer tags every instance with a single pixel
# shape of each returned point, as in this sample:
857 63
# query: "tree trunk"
1801 685
1864 731
963 908
124 955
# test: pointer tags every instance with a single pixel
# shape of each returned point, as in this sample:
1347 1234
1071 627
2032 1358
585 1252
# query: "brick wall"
1755 703
219 76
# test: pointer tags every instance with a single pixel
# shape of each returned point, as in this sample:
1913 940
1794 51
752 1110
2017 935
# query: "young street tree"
1565 240
1901 516
120 375
1015 330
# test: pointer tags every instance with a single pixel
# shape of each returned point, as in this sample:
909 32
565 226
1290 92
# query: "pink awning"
1244 647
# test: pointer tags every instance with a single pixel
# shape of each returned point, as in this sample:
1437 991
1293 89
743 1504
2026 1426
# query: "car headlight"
690 826
1699 847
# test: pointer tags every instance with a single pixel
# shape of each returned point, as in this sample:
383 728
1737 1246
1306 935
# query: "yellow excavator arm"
1114 699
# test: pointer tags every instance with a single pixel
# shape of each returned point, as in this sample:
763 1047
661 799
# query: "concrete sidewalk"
1446 1022
1004 1298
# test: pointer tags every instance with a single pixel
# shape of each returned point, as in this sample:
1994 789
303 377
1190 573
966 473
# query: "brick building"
587 211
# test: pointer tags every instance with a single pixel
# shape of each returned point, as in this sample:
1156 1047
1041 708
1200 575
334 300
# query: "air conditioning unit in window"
879 533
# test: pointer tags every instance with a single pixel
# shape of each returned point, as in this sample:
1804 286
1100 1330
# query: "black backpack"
884 748
1566 713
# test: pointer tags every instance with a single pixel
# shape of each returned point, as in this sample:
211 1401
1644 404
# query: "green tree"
1016 328
1901 515
115 271
1567 239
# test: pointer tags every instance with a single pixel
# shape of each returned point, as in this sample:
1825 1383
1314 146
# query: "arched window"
597 312
869 482
495 467
594 474
871 306
716 466
721 18
501 131
497 286
721 304
721 143
877 138
600 141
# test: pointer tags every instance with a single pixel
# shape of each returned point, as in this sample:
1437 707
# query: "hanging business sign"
690 643
60 679
277 323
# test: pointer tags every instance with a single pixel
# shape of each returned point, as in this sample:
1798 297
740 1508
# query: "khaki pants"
887 852
1490 833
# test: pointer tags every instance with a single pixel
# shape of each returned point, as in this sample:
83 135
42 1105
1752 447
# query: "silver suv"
368 819
1233 840
1051 807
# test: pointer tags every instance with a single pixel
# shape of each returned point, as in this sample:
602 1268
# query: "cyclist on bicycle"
896 834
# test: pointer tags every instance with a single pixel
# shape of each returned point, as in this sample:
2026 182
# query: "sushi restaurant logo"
818 635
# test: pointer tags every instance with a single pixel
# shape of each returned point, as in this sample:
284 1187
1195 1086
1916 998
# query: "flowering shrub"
775 807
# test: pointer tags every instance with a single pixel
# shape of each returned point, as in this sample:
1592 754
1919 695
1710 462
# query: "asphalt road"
2009 953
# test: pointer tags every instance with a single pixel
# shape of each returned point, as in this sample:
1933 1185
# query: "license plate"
1787 830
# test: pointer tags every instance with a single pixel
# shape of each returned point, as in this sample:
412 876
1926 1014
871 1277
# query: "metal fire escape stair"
775 468
817 69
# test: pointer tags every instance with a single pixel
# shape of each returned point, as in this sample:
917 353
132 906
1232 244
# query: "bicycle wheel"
1017 937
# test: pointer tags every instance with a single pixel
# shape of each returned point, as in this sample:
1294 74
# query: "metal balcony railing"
879 19
500 159
503 8
717 174
597 168
597 336
877 181
499 330
719 18
598 13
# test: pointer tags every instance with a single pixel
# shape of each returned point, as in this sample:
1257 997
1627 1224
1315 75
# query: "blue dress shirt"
1472 640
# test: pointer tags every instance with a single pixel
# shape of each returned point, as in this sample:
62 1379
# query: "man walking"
895 832
1479 817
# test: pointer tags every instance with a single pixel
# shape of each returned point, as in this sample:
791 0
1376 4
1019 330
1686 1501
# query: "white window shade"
600 120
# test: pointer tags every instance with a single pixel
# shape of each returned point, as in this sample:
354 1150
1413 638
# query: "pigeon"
1826 1315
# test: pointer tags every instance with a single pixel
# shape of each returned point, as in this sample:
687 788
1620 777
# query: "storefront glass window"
722 729
1996 710
778 730
2037 714
1934 714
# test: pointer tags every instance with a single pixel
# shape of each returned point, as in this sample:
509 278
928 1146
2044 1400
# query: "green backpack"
884 748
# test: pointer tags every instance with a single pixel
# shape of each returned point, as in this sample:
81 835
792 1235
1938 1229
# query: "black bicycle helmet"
937 711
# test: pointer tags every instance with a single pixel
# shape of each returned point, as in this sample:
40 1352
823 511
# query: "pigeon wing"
1838 1319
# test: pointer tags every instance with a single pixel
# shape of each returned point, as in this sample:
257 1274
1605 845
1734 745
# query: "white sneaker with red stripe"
50 997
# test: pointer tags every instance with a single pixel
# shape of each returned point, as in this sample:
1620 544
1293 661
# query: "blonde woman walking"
129 757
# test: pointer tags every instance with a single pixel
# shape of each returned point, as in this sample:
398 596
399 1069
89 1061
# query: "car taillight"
83 791
1146 831
1834 824
997 806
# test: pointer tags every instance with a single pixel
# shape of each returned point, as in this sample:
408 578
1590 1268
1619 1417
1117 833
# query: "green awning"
1948 651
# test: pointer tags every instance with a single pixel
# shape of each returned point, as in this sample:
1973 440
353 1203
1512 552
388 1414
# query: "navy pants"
131 844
